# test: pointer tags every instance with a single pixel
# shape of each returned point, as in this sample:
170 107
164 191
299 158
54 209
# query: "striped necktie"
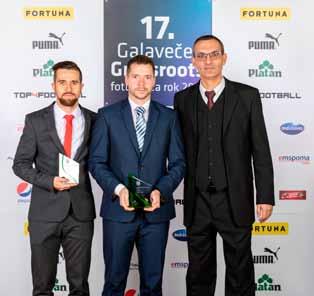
140 126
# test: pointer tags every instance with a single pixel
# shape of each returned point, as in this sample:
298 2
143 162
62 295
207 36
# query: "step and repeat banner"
269 46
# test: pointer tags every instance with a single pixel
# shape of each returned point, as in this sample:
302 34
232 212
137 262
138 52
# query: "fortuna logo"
179 202
58 287
48 13
303 159
49 44
265 69
265 13
266 259
290 128
45 71
270 228
265 283
25 229
265 45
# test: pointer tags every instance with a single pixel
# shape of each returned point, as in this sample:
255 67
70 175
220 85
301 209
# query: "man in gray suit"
61 213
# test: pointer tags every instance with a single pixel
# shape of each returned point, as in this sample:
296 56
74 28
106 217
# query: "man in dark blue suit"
142 137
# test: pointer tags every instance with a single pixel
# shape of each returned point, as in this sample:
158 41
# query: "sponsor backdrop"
268 46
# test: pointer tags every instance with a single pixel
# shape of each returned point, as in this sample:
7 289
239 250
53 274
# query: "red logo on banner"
292 194
130 292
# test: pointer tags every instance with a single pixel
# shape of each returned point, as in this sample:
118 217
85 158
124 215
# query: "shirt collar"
134 105
59 113
218 89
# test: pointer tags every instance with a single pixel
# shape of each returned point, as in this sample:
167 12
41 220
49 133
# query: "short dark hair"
69 65
140 60
209 37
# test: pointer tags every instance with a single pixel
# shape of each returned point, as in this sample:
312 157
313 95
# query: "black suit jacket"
36 161
244 142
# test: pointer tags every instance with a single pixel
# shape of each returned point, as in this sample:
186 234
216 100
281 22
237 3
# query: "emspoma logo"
290 128
180 235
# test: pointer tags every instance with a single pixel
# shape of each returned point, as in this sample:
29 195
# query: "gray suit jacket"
36 161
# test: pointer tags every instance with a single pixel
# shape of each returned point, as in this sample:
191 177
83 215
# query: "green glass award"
139 192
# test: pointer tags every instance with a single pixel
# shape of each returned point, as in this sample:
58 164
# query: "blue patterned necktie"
140 126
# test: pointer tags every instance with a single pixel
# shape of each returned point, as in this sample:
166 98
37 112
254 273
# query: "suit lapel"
151 123
50 120
231 100
87 126
129 125
191 106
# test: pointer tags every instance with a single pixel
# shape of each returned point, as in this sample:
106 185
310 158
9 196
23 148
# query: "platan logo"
266 283
56 42
292 194
265 13
290 128
59 287
48 13
131 292
303 159
265 69
24 191
270 257
180 235
45 71
271 43
180 265
283 95
270 228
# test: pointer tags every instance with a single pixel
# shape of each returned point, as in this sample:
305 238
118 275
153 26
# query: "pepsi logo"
24 189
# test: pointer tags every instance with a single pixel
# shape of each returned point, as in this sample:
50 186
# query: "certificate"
69 169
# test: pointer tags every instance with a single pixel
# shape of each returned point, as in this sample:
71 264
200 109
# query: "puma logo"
52 35
267 250
270 36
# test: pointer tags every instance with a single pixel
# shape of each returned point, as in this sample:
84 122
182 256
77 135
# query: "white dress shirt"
218 90
78 126
146 113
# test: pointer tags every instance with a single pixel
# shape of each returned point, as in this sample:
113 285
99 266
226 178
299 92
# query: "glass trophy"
139 192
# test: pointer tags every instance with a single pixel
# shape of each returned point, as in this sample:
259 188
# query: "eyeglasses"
202 56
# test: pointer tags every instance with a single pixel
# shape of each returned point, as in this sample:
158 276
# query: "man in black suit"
61 213
224 134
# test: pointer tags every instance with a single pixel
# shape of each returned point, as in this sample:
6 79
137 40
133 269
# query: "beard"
68 102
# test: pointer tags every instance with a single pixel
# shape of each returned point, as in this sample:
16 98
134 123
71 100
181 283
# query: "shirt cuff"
118 189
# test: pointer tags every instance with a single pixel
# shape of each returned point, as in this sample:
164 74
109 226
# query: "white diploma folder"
69 168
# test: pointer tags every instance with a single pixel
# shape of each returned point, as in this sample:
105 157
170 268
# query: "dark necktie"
210 95
68 135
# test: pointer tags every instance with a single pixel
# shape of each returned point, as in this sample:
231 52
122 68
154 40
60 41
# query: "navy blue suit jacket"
114 153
